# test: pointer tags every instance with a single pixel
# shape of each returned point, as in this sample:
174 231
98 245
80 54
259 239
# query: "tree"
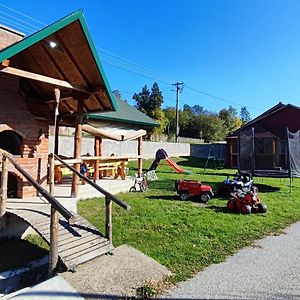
208 127
150 104
142 100
197 110
186 118
230 119
245 115
156 98
170 114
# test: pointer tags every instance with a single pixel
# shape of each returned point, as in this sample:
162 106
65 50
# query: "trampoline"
269 154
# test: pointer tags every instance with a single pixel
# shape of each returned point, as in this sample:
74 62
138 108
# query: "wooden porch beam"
42 78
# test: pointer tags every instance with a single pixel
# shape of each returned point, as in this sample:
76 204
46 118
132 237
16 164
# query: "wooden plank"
3 187
88 256
87 252
42 78
67 244
83 247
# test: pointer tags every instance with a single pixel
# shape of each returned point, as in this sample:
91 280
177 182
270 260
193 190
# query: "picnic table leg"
123 170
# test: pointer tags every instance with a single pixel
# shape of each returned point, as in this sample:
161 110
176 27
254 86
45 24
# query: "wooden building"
269 138
53 76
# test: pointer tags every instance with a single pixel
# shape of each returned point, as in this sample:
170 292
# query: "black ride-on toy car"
192 188
245 201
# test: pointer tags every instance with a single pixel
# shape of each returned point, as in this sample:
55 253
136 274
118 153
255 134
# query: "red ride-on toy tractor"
246 201
192 188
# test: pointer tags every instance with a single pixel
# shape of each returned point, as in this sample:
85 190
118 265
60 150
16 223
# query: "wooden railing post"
108 221
51 173
3 187
53 253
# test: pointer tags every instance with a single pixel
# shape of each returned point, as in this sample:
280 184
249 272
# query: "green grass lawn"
188 236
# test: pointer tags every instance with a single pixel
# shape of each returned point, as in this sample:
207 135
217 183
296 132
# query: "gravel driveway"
268 270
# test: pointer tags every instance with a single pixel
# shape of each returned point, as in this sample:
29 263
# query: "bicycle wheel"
143 186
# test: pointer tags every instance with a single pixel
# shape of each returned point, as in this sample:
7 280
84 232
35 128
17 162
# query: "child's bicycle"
140 182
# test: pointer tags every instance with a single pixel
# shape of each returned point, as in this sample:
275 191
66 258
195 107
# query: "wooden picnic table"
103 165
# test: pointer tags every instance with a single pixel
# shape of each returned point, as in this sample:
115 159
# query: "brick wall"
14 115
8 36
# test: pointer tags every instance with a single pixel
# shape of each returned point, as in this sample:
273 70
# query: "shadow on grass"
219 209
163 184
264 188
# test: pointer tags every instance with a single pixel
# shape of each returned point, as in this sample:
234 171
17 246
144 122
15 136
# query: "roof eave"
25 43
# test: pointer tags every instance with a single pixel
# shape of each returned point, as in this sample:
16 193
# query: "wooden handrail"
94 185
60 208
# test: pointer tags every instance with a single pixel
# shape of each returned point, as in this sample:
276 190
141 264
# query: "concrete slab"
54 288
117 275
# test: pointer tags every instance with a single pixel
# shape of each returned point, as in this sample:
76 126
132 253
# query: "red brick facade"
8 37
15 116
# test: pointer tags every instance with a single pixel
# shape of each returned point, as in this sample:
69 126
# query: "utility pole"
178 89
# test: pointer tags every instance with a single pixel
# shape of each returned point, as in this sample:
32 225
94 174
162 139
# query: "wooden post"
108 220
56 134
140 160
53 253
51 173
77 147
3 187
97 142
56 120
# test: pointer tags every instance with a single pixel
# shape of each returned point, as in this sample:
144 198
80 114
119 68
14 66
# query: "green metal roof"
124 113
14 49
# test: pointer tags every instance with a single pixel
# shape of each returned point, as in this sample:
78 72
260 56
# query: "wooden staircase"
77 243
71 237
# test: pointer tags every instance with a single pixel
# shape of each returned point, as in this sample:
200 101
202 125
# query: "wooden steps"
77 243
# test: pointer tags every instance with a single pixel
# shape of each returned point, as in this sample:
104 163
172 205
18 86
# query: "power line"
27 23
15 25
22 14
110 58
218 98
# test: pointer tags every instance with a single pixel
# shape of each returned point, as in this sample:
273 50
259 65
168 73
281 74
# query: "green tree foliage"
230 119
150 104
186 117
245 115
142 100
170 114
208 127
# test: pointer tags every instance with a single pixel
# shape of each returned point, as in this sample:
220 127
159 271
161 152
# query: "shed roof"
72 59
124 113
275 120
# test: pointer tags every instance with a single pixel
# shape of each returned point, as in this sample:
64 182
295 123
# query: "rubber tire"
184 196
262 208
132 189
204 198
143 186
246 210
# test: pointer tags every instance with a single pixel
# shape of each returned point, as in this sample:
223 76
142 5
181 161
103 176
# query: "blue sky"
244 52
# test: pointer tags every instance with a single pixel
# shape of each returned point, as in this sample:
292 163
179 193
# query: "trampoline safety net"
294 152
246 150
